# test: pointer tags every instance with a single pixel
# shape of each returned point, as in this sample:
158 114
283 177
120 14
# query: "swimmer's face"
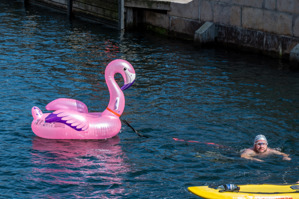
260 146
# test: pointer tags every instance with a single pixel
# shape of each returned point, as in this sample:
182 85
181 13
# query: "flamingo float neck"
117 100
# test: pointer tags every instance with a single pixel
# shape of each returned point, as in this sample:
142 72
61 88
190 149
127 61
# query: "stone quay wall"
270 26
273 16
267 26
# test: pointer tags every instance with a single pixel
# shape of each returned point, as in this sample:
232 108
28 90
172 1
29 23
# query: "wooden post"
26 2
70 9
121 14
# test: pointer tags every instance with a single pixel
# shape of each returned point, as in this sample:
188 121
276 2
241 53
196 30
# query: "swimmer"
260 149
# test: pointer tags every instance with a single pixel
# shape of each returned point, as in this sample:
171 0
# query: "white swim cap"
260 137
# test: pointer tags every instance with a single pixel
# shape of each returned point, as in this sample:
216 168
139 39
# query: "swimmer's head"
260 137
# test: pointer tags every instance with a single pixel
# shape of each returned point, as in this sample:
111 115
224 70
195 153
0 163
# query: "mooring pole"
26 2
121 14
70 9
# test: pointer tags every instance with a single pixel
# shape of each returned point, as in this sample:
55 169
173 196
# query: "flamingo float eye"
125 69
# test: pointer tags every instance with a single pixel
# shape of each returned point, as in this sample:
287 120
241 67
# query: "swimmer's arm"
248 154
284 155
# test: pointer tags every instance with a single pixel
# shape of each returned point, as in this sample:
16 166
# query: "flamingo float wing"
72 119
67 104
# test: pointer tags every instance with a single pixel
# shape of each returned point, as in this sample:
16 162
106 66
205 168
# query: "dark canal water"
205 95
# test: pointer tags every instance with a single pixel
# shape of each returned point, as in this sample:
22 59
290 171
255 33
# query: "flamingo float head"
124 68
129 77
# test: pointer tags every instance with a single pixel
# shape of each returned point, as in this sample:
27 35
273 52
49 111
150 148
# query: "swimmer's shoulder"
248 151
273 151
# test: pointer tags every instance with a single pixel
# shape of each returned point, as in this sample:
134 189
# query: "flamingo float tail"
36 112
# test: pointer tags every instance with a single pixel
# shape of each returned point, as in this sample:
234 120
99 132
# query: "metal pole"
26 2
70 9
121 14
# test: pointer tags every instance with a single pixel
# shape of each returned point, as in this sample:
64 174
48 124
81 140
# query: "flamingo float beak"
129 80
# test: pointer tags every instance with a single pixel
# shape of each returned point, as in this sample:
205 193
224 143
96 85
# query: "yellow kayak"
250 191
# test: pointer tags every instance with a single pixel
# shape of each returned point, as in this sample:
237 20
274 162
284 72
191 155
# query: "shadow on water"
202 95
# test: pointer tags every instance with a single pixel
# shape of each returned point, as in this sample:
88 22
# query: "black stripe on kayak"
262 192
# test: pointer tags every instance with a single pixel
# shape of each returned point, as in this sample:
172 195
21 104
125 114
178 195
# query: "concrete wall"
272 16
268 26
175 17
271 26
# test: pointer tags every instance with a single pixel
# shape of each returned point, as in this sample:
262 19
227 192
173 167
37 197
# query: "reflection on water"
87 164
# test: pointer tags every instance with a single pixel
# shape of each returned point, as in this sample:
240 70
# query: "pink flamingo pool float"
71 119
